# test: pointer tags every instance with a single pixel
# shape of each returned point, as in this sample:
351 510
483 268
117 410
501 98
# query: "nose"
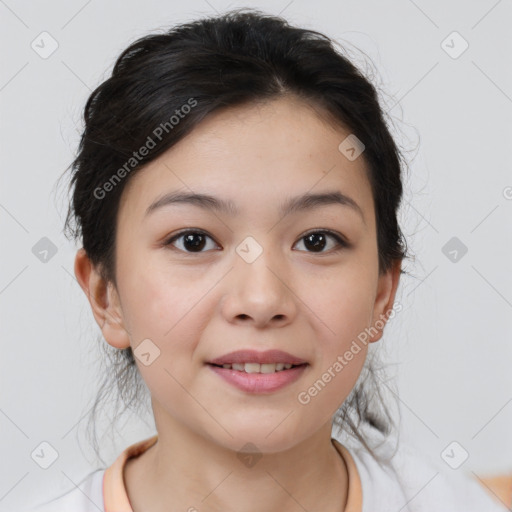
259 293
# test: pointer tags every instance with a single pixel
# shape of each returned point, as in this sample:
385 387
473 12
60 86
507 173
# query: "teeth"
268 368
258 368
253 367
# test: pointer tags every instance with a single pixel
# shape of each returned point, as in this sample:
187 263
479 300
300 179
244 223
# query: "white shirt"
407 483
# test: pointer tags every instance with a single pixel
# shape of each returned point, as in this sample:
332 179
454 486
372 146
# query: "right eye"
193 241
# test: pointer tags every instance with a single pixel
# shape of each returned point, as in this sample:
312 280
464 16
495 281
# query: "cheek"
159 301
164 317
342 306
340 359
164 312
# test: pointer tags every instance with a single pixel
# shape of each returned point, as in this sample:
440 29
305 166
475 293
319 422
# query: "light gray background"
450 347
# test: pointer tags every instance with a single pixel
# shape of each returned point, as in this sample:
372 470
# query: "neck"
188 472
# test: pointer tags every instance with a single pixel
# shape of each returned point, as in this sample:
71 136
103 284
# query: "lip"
259 382
256 356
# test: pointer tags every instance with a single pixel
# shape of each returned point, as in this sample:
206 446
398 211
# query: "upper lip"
255 356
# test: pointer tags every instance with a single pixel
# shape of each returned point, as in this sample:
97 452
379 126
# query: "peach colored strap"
115 498
499 486
355 491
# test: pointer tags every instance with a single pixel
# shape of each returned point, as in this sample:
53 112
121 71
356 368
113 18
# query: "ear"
384 300
104 301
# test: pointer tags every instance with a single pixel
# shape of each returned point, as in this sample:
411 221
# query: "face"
195 283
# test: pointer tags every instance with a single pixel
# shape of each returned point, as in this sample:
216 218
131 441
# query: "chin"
251 438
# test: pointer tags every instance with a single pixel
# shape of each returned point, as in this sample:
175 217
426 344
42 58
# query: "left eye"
195 241
318 240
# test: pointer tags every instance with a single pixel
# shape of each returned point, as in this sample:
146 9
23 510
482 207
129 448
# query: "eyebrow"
304 202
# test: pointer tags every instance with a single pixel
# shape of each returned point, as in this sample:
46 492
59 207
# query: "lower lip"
259 382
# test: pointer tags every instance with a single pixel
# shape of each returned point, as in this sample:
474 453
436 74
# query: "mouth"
258 367
254 371
258 378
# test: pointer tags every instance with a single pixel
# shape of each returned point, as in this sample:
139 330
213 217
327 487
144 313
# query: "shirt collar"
115 498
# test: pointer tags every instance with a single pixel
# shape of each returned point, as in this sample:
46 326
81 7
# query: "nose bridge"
257 286
258 263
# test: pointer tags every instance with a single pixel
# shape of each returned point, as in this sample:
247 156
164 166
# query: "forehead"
254 155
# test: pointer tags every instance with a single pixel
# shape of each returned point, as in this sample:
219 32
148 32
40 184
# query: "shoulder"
86 497
407 481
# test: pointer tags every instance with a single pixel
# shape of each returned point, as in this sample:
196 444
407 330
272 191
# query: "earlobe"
385 298
104 301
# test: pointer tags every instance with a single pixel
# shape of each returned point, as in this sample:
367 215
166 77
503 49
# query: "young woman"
236 194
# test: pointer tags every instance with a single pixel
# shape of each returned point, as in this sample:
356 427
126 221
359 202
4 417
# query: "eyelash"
341 242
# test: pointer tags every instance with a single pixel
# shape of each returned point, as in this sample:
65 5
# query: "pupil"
318 240
189 239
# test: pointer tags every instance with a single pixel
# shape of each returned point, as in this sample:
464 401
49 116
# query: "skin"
198 306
